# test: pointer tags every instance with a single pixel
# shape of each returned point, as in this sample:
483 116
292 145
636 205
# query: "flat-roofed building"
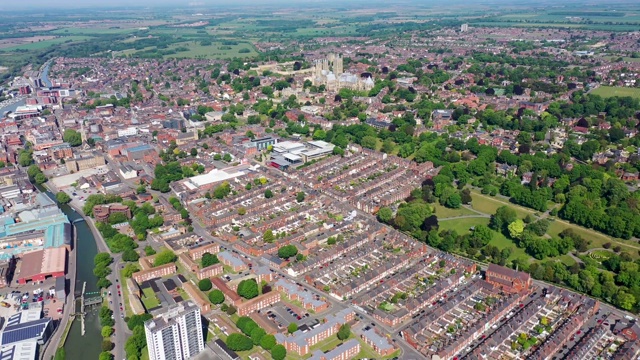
176 334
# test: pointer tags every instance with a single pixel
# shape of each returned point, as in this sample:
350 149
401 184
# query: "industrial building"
42 264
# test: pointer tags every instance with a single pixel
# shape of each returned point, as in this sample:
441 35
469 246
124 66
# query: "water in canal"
87 347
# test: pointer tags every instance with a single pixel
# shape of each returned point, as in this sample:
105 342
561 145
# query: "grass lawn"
488 205
462 226
444 212
609 91
601 255
149 298
213 51
145 354
566 259
125 295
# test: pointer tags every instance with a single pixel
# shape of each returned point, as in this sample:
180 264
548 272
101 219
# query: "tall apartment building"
175 334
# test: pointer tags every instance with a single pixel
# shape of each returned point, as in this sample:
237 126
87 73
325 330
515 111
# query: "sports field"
609 91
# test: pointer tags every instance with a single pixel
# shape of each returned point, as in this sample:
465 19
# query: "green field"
609 91
488 205
92 31
500 241
194 50
46 43
444 212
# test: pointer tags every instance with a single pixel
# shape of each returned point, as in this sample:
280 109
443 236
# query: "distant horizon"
124 4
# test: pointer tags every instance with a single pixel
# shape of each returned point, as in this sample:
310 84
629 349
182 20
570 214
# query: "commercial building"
288 153
175 334
85 162
23 333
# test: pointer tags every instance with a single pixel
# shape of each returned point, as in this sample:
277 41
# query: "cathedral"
330 73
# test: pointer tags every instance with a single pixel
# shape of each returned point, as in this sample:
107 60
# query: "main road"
121 331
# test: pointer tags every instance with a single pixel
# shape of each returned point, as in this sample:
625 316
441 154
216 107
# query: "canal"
89 346
45 74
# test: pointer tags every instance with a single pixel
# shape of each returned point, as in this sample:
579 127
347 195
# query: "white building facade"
176 334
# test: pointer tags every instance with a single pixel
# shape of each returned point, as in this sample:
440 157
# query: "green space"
125 295
92 31
144 354
601 255
463 226
149 298
609 91
46 43
445 212
488 205
196 49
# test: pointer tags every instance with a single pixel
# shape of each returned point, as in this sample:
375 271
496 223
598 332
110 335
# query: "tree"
293 327
216 297
502 218
209 259
105 316
248 289
268 236
300 197
138 320
369 142
105 356
106 331
242 210
63 198
516 229
148 250
344 332
102 259
72 137
278 352
226 157
222 190
130 255
129 270
40 178
624 300
257 334
164 257
239 342
25 158
205 284
60 354
319 134
287 251
194 152
268 342
107 345
268 194
385 215
453 201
